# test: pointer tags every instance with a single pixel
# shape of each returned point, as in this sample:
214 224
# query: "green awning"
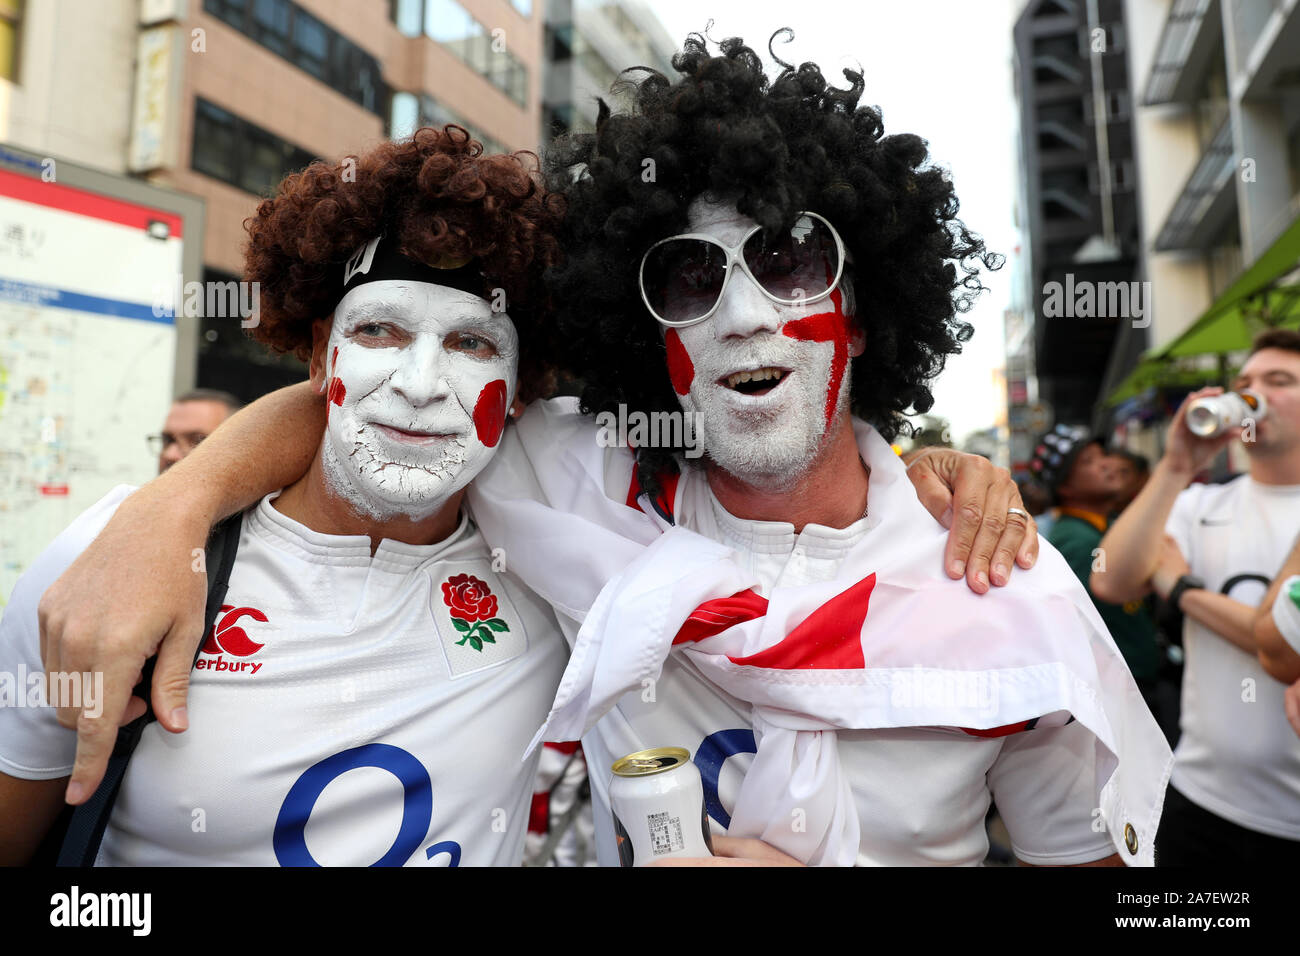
1163 373
1253 303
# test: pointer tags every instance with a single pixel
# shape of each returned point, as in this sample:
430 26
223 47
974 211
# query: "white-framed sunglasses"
683 278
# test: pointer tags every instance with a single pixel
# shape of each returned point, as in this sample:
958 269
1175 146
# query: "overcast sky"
935 68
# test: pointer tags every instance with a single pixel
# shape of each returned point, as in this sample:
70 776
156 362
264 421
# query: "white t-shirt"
922 793
338 715
1237 756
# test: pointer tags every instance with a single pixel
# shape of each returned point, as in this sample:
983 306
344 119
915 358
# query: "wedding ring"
1017 511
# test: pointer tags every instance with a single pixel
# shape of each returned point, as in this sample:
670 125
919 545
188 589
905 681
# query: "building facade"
220 99
1081 212
1217 83
588 43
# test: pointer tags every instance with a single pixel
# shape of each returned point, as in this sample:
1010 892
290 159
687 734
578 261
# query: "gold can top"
643 763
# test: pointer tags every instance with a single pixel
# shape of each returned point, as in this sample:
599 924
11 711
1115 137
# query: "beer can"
658 804
1213 415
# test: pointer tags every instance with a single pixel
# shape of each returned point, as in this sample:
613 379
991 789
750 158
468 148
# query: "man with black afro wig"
756 260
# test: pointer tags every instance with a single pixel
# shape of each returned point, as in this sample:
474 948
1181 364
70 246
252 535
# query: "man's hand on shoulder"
138 589
974 499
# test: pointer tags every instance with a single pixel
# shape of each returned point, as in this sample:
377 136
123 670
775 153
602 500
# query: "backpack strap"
88 822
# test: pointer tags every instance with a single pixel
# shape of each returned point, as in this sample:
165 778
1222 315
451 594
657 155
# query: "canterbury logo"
228 637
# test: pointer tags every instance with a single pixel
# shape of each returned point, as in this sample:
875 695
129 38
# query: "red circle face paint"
681 370
490 413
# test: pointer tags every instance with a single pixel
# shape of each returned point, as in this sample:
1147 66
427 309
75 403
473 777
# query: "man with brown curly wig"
367 626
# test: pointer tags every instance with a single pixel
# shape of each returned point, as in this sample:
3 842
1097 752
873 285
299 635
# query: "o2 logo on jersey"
710 755
290 839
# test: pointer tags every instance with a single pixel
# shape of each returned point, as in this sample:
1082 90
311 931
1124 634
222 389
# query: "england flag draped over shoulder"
890 642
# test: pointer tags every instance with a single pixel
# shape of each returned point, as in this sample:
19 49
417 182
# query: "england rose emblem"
473 609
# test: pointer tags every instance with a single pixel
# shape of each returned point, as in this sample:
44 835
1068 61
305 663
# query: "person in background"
1134 470
1235 790
1277 633
1085 484
193 417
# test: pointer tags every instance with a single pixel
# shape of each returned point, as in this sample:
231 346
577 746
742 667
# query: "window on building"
408 14
214 142
409 112
235 151
271 24
456 29
310 44
263 162
232 11
11 15
403 115
558 42
356 74
448 22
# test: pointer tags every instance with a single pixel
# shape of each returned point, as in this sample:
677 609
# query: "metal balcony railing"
1176 40
1212 173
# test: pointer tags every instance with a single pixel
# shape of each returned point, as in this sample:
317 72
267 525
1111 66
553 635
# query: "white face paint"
769 438
419 377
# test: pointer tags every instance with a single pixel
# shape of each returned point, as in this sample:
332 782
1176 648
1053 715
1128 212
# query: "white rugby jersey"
346 709
921 793
1237 756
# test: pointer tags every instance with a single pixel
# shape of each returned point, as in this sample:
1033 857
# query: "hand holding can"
657 800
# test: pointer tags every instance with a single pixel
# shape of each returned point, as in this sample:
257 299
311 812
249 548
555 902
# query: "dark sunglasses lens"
797 264
683 278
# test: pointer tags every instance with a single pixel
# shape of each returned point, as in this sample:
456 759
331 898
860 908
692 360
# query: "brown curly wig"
440 196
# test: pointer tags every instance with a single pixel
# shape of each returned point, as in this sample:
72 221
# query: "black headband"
380 261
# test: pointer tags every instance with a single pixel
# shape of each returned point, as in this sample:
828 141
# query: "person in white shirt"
1277 633
1213 550
813 488
369 642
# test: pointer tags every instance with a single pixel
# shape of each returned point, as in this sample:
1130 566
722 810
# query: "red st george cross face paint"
768 380
419 380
